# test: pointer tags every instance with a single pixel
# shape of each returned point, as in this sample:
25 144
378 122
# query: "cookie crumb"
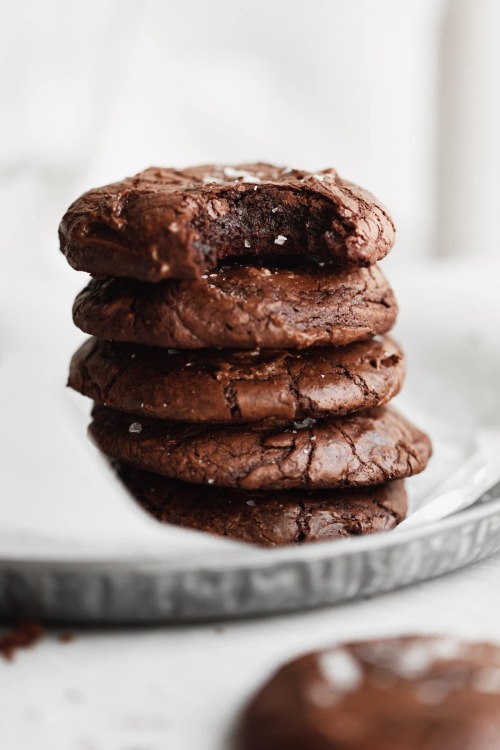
24 635
65 637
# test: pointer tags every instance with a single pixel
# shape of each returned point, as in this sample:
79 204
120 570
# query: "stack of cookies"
239 362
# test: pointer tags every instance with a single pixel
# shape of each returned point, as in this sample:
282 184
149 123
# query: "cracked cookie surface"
173 223
268 519
361 449
238 386
407 693
242 307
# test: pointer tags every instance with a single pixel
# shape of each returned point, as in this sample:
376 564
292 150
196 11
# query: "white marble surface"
182 687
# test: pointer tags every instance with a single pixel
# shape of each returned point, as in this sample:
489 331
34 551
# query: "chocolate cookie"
400 694
269 519
238 386
242 307
362 449
172 223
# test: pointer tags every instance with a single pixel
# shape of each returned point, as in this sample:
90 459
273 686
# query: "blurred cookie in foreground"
235 385
411 693
268 519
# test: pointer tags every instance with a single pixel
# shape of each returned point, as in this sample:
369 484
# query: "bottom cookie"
410 693
268 519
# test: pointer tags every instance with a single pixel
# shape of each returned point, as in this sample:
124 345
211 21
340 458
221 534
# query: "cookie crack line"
310 457
386 509
231 399
110 384
302 522
353 448
293 387
356 380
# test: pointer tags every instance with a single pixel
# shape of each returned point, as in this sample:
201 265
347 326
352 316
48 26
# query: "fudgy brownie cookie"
362 449
242 307
268 519
172 223
401 694
238 386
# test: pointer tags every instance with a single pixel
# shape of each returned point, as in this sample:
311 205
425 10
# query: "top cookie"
172 223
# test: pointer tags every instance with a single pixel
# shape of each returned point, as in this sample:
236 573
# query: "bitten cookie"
172 223
268 519
238 386
362 449
401 694
242 307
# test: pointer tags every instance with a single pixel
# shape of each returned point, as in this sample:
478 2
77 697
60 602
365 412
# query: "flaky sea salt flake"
208 178
341 670
240 174
304 424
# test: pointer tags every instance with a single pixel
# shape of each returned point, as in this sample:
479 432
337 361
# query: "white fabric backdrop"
98 90
403 97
